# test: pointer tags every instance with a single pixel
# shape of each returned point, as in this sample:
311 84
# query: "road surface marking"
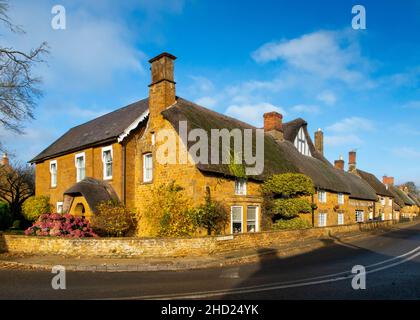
282 285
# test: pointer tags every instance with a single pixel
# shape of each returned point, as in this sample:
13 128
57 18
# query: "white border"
231 218
108 148
132 126
79 155
56 173
257 220
144 167
60 204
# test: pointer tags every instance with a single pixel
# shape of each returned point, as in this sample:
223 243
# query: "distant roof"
359 188
400 197
374 182
103 129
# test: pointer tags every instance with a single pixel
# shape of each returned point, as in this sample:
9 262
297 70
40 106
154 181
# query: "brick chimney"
5 160
273 124
319 141
352 160
339 164
162 88
388 181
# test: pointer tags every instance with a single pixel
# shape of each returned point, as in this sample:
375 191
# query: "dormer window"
240 187
301 144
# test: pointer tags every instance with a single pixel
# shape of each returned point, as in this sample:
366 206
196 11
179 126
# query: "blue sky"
242 58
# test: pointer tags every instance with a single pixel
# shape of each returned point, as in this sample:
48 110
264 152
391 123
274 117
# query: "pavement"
238 257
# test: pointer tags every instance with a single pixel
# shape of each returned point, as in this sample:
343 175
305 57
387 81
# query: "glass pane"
237 214
252 213
109 169
251 227
107 156
237 227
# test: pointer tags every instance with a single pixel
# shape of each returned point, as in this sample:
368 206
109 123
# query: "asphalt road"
392 262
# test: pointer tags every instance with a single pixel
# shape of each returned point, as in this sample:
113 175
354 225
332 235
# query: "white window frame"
240 191
105 149
324 214
389 216
58 205
301 143
257 210
370 215
322 196
153 138
231 218
382 216
53 185
146 179
340 198
77 156
360 213
390 202
340 218
382 201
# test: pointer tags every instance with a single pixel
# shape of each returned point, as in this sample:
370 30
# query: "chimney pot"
352 160
339 164
273 124
5 160
388 181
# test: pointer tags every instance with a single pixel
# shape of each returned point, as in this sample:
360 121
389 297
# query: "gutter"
123 193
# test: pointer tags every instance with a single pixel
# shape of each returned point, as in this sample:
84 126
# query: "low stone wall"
171 247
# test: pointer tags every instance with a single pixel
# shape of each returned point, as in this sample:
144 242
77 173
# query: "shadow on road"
335 256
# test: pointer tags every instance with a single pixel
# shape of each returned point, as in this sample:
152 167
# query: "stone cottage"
118 156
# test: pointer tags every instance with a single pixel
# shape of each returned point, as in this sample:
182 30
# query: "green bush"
169 212
210 215
285 197
294 223
291 207
113 219
5 216
289 185
33 207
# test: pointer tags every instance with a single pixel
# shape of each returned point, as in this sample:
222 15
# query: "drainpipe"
313 211
123 174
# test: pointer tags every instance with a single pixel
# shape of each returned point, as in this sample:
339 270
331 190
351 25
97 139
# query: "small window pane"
251 222
237 219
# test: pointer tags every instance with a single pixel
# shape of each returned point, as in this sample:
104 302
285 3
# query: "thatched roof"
415 198
359 188
374 182
104 129
94 191
279 157
400 197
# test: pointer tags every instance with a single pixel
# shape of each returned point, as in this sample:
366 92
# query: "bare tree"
18 86
17 183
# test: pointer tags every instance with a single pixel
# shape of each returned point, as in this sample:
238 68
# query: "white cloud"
326 54
342 140
346 132
327 97
252 113
406 152
90 52
352 124
304 108
415 104
201 85
208 102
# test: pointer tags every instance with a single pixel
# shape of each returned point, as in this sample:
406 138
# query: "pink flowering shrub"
58 225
